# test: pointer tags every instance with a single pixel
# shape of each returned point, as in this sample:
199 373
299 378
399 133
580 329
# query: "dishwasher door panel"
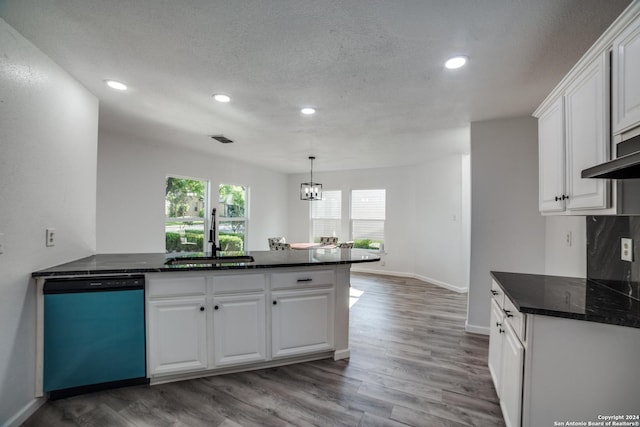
93 337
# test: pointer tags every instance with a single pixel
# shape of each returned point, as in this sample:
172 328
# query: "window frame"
205 220
352 219
245 219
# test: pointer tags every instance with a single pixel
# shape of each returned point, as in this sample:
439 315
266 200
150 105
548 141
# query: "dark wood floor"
412 364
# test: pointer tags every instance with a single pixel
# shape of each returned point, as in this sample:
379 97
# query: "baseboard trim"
342 354
474 329
412 276
23 414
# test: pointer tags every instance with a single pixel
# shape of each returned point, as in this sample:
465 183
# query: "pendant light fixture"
311 191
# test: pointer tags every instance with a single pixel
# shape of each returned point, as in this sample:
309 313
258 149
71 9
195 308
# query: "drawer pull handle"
494 292
508 313
305 280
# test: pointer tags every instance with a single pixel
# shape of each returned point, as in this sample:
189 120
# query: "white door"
511 378
626 85
177 335
495 344
587 138
551 157
302 322
239 329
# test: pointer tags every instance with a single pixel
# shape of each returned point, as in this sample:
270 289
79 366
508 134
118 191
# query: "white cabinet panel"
511 378
239 329
177 335
495 345
551 157
587 138
302 321
626 84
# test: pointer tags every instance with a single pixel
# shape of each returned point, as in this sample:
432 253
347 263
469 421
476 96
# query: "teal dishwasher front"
94 334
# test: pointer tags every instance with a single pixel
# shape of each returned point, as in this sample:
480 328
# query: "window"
367 218
185 204
232 217
325 215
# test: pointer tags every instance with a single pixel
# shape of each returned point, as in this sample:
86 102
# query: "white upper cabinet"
626 81
572 136
587 135
551 157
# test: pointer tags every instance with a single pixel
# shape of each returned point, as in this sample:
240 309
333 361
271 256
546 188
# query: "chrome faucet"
212 234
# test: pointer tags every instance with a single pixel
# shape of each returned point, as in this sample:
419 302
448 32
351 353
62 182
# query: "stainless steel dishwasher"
94 334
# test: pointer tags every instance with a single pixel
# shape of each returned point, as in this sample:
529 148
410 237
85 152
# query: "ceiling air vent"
221 138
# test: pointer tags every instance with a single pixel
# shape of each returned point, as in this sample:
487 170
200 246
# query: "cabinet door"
551 158
511 378
177 335
587 138
626 85
302 322
239 329
495 344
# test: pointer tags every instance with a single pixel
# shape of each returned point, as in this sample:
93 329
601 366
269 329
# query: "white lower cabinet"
511 377
219 320
506 356
177 340
239 329
496 336
301 321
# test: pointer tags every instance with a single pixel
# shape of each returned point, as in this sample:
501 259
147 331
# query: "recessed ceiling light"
308 111
220 97
455 62
114 84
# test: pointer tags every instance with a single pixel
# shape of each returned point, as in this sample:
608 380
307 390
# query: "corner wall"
507 231
48 143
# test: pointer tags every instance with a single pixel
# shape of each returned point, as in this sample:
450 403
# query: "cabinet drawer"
497 293
176 286
298 279
238 283
514 318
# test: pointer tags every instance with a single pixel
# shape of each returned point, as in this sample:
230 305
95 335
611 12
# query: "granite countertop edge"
629 319
99 264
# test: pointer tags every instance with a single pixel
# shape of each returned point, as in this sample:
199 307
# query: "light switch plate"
626 249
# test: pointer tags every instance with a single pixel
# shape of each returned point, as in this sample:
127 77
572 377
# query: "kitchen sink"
231 259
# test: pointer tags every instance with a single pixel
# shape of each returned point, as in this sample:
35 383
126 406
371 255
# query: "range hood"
625 166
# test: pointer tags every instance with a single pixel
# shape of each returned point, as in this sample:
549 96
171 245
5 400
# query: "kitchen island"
228 315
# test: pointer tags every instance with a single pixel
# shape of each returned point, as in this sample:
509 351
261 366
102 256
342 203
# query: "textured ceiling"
372 68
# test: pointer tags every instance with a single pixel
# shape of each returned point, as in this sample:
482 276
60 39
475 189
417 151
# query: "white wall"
507 231
422 239
48 140
560 258
131 191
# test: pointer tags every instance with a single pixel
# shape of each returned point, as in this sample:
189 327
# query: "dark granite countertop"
569 297
101 264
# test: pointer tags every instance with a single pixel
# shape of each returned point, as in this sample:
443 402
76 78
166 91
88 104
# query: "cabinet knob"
508 313
275 302
494 292
501 331
215 307
557 199
201 308
498 324
564 197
